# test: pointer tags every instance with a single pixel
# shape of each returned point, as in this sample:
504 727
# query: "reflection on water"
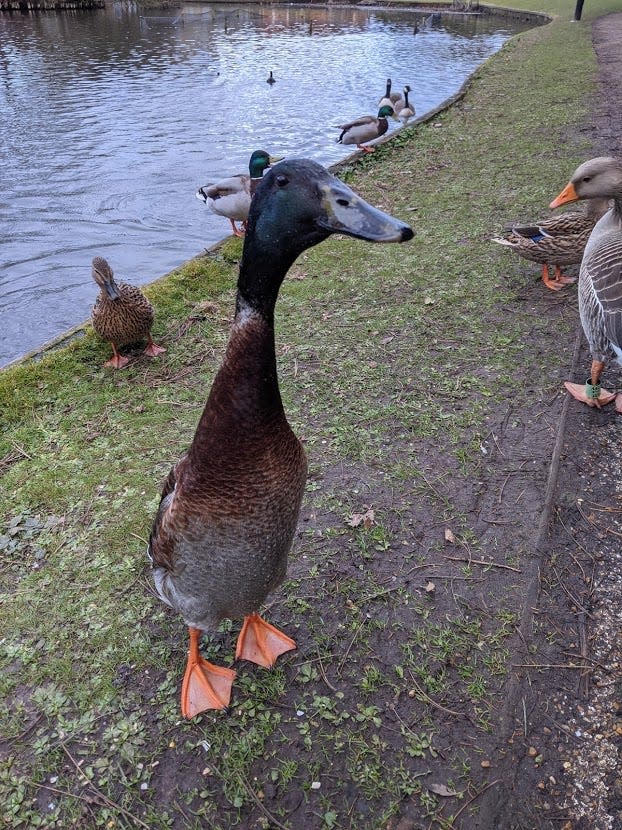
110 120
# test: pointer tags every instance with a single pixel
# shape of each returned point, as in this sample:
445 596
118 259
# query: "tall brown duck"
121 314
600 276
229 507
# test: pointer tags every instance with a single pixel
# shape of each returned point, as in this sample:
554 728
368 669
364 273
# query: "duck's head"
594 178
260 160
298 204
104 277
385 112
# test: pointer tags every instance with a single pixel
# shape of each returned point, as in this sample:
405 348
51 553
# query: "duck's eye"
282 181
343 202
587 179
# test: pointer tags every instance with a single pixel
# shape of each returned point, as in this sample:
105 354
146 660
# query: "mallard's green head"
298 204
385 112
103 276
259 162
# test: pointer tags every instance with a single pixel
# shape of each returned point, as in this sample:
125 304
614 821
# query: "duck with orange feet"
121 314
229 508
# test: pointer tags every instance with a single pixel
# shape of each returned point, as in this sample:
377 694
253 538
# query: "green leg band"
592 390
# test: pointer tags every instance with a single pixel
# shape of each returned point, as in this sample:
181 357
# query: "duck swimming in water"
229 507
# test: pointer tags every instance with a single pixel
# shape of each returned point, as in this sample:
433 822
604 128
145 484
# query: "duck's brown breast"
224 534
127 319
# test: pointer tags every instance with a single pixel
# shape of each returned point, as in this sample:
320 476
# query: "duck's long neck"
245 401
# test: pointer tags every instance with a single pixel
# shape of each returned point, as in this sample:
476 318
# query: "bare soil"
572 717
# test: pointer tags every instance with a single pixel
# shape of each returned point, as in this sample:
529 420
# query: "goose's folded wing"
604 267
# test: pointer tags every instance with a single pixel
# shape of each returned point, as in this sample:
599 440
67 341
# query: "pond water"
110 120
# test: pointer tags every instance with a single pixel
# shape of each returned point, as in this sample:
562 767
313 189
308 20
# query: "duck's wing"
363 121
533 232
567 224
161 548
227 187
604 267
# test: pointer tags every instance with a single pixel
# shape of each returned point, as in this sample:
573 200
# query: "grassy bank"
401 367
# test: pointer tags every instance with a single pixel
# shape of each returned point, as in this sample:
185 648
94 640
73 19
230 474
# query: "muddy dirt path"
563 722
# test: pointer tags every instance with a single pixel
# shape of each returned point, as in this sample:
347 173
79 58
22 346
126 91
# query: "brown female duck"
229 507
121 314
556 240
600 277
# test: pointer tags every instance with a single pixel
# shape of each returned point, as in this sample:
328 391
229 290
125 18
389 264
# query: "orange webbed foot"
562 278
550 282
577 390
240 232
205 686
152 349
117 361
261 642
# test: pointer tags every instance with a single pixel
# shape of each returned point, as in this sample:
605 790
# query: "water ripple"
109 121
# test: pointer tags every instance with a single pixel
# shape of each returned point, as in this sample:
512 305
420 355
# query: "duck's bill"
274 159
112 291
568 194
345 212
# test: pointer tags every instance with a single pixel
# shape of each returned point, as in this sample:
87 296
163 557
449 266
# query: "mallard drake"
121 314
600 276
557 240
389 98
229 508
404 110
232 197
365 129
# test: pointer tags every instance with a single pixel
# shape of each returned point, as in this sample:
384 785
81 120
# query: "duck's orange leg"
153 349
205 686
261 642
117 361
236 230
560 277
366 149
550 282
591 392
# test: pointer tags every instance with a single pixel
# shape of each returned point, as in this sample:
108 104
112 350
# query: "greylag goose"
600 276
